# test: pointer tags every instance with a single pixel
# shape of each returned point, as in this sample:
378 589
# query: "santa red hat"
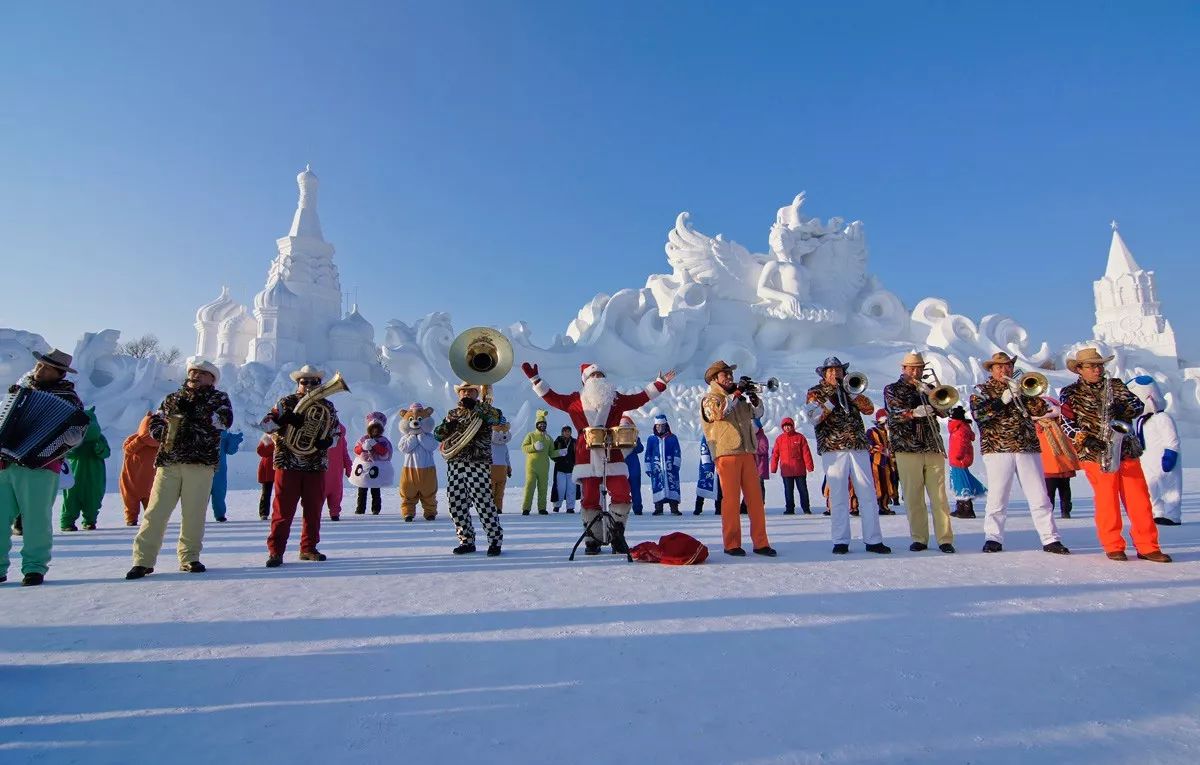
587 370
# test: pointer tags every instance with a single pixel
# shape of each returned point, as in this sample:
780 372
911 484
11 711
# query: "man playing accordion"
28 485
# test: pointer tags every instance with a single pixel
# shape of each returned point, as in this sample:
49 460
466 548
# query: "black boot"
699 506
360 507
1066 508
675 509
616 536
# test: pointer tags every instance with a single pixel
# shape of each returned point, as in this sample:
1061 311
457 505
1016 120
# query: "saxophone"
1114 432
318 420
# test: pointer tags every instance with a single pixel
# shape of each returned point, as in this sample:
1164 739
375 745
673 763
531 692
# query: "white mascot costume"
1160 462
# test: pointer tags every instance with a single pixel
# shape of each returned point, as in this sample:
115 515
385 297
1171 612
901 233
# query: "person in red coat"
266 474
965 486
792 459
599 405
137 471
337 473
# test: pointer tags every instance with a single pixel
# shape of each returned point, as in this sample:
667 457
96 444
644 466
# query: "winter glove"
324 443
1169 460
290 419
538 446
469 403
924 410
217 422
530 370
1094 444
1007 396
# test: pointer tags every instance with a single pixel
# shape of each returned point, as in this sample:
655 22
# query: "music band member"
28 493
727 414
599 405
916 440
1010 449
845 457
468 472
1089 406
188 427
299 474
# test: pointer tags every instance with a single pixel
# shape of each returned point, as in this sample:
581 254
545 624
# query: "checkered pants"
470 483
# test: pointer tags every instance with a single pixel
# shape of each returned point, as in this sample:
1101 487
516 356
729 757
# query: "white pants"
1166 489
564 484
1027 467
840 469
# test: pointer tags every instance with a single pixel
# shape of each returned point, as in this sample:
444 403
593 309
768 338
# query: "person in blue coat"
663 460
230 443
634 465
706 481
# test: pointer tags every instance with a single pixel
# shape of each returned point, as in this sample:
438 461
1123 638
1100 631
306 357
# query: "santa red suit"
594 465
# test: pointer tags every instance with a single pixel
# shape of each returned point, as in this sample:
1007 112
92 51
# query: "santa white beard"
597 394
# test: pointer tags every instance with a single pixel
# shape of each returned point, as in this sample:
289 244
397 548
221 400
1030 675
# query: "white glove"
216 422
368 444
538 446
1007 396
924 410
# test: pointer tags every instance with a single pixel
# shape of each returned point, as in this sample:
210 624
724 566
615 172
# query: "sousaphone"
480 356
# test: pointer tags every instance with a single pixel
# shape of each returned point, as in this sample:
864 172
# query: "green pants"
30 494
922 473
188 486
537 476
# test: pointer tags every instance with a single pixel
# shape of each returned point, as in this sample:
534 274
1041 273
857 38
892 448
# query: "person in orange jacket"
137 471
792 459
266 474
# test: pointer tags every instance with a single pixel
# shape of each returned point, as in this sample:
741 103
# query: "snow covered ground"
396 651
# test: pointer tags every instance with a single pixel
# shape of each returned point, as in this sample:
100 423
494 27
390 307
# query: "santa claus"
599 405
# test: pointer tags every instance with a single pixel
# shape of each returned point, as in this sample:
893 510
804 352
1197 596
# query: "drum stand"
602 518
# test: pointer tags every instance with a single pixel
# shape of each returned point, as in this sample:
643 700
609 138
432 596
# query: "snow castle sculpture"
1128 312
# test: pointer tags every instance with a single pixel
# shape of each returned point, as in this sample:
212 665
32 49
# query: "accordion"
33 425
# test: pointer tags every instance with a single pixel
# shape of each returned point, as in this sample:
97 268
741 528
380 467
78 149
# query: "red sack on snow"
674 549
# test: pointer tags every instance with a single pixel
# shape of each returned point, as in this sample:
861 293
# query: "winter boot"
33 579
192 567
137 572
675 509
699 506
315 555
879 549
616 534
1058 548
464 549
992 546
591 547
493 550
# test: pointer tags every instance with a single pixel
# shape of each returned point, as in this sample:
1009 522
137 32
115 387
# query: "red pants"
292 486
1127 485
618 491
738 474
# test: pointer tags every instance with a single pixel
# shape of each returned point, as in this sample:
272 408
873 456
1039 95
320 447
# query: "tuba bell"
480 356
318 420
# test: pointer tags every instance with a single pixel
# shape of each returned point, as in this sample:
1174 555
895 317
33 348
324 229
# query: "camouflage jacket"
1002 427
285 458
842 429
1083 416
480 448
908 434
202 414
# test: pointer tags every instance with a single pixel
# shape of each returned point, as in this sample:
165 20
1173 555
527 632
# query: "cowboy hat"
831 362
999 357
308 370
1086 356
204 366
912 359
55 358
716 368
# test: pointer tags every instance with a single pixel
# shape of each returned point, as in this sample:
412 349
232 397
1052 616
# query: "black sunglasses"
309 381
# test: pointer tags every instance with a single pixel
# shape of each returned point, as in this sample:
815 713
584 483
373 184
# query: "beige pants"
189 486
922 473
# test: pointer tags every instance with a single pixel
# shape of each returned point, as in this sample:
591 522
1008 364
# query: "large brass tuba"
480 356
318 420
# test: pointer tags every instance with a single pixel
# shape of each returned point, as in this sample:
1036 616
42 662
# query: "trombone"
940 397
1029 385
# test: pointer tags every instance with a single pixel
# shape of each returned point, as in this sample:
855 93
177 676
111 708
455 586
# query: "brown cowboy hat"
57 359
1000 357
716 368
1086 356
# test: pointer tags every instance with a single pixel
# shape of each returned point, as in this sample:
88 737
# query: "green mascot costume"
537 447
87 464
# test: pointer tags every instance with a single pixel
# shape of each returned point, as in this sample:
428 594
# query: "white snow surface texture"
396 651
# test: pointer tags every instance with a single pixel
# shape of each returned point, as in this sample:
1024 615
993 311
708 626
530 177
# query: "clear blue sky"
148 150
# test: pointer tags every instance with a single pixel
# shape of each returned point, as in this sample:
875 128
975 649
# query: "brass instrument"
479 356
746 385
855 383
1114 432
318 420
940 397
174 423
1029 385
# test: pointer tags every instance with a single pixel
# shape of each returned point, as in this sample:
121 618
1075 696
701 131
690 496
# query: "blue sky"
508 161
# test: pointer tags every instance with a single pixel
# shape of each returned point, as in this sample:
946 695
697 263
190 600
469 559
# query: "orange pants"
1127 485
738 474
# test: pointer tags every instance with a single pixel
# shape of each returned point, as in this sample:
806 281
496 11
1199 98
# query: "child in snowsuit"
266 474
372 467
337 473
230 443
961 456
137 471
87 464
418 475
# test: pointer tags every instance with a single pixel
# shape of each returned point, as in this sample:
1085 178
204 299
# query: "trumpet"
855 383
747 386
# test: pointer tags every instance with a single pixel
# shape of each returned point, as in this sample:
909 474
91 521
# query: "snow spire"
306 223
1120 260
